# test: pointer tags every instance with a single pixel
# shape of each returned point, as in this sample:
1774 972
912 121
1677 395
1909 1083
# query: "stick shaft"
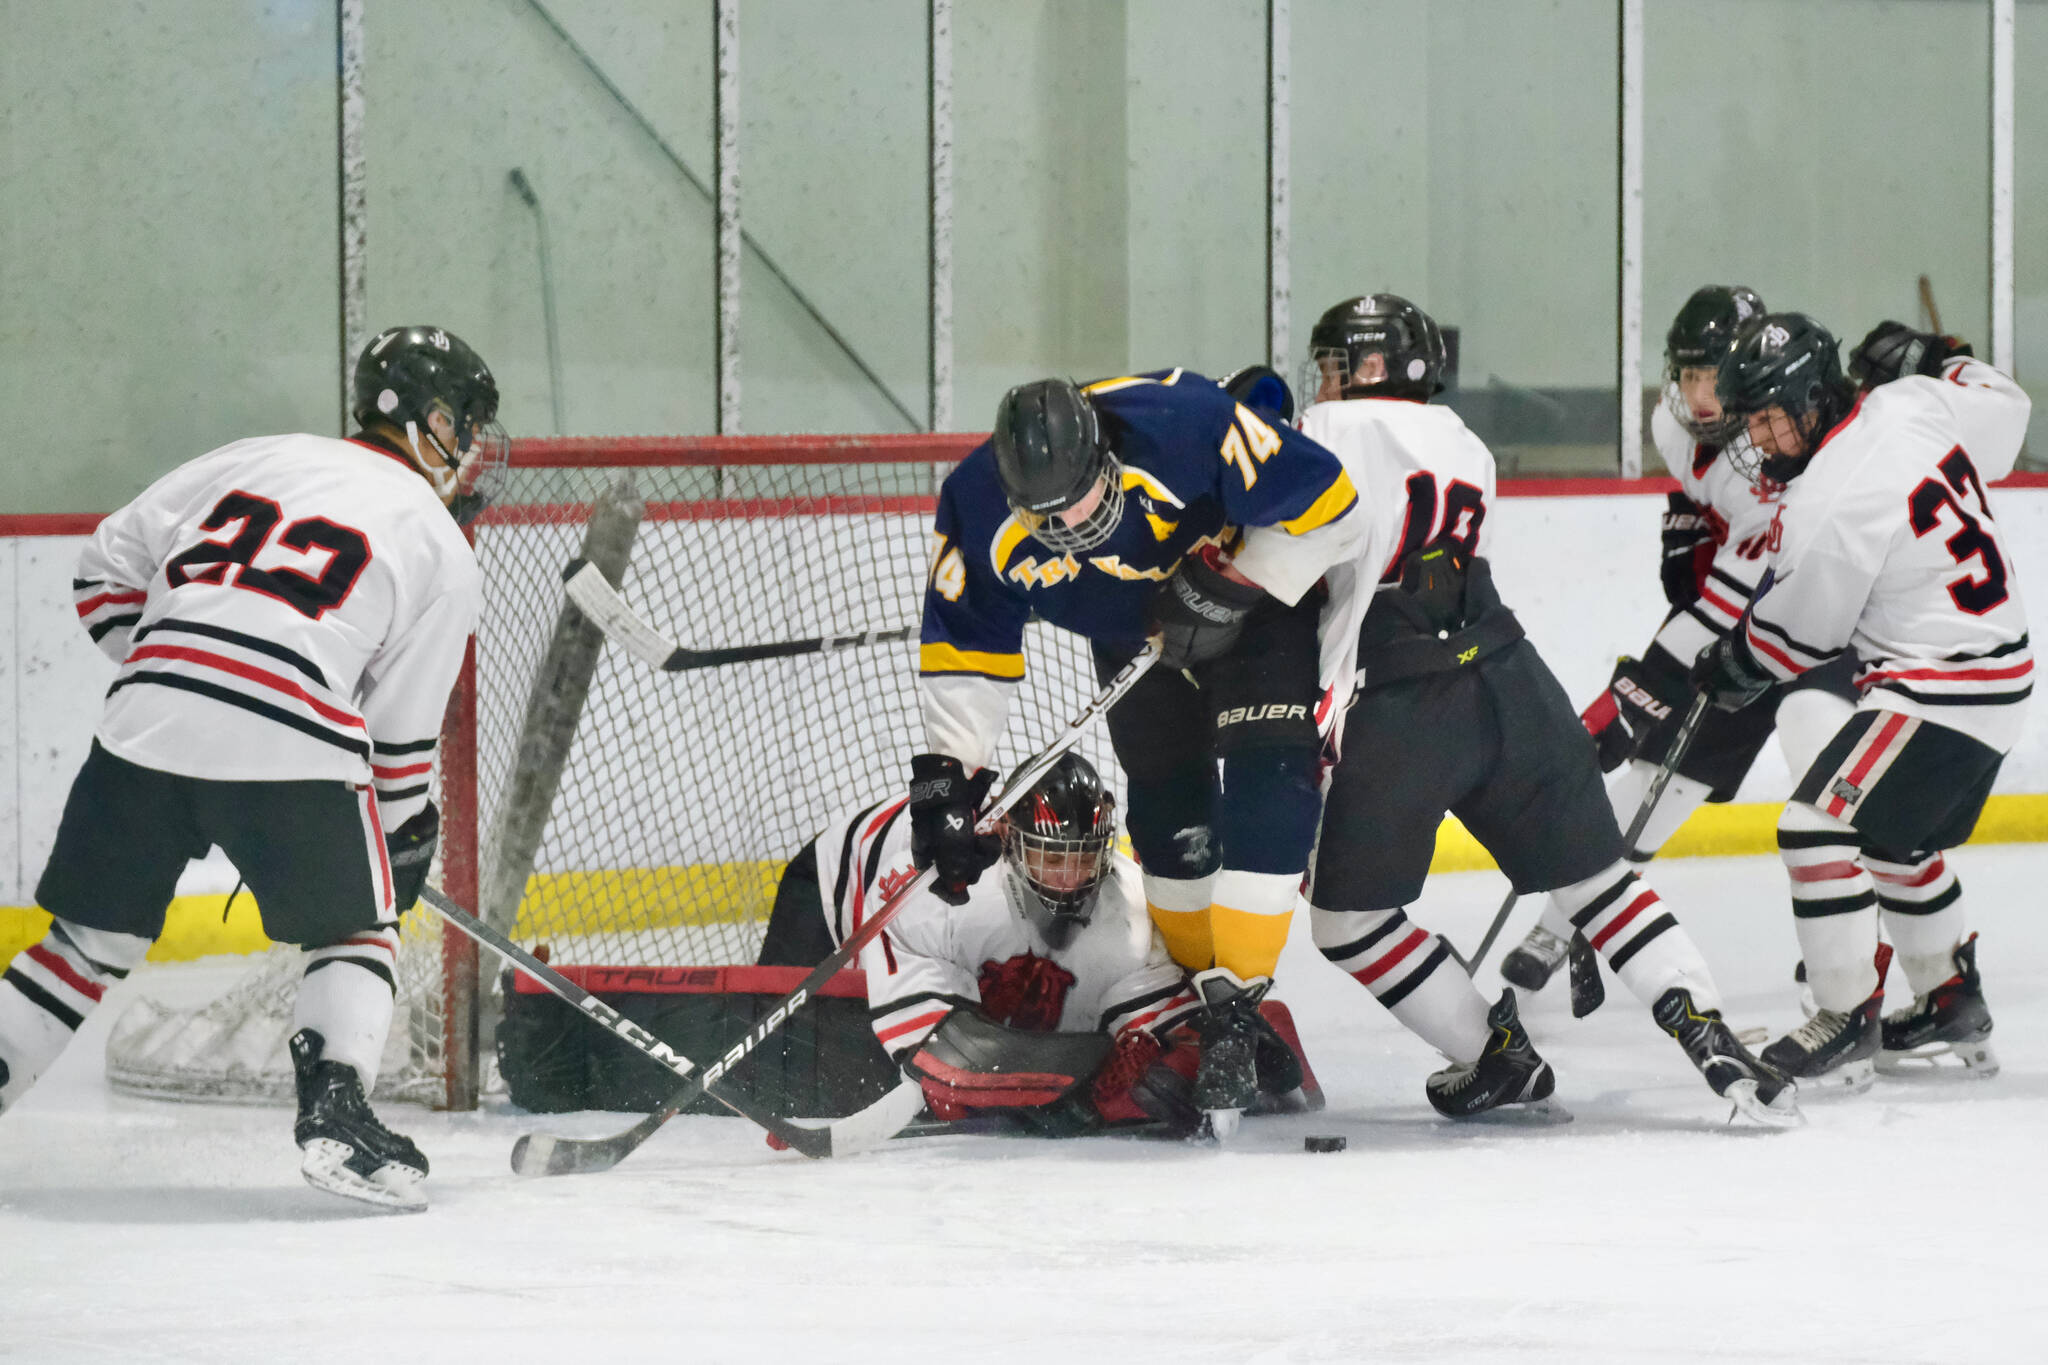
1673 756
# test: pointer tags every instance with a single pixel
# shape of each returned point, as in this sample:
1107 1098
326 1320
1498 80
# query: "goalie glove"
1892 349
1199 612
411 850
1689 545
944 803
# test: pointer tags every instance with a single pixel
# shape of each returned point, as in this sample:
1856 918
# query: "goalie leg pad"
972 1062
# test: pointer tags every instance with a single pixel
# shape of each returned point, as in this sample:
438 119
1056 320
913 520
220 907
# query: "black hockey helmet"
1260 388
1786 361
1407 338
1700 335
1050 450
1057 841
408 375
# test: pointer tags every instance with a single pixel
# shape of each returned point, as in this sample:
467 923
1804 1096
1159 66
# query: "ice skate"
1760 1091
1950 1020
1227 1076
1531 963
1834 1049
347 1151
1509 1081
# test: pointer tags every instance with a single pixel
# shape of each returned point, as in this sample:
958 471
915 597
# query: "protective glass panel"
2030 209
1463 155
167 259
1779 154
585 282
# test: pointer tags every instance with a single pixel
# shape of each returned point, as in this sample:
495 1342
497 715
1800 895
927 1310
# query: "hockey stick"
1500 920
597 599
869 1126
543 1154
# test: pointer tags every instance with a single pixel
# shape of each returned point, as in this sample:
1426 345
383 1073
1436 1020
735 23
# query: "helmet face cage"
1789 362
1062 862
406 377
1095 528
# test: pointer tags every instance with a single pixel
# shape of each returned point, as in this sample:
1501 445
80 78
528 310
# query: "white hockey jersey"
1740 513
283 608
1420 474
930 959
1886 544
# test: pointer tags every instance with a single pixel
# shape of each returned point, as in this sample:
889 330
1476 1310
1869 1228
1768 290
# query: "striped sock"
1921 904
1626 922
46 992
1409 970
1834 905
346 997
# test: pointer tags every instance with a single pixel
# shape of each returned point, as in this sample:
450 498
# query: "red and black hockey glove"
1689 547
944 802
1639 697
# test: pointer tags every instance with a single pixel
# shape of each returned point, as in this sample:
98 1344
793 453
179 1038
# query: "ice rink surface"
1903 1224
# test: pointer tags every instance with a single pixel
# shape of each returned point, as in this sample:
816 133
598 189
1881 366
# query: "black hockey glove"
411 849
1687 532
1893 349
943 806
1198 613
1639 698
1729 674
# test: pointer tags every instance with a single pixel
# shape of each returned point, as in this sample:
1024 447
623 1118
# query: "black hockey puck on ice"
1323 1144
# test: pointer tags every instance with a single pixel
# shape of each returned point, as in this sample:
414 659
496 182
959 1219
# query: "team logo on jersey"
1846 791
1031 574
889 883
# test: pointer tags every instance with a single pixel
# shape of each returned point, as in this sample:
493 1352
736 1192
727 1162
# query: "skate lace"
1543 944
1820 1030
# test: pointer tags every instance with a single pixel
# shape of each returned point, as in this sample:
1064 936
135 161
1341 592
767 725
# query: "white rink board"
1580 571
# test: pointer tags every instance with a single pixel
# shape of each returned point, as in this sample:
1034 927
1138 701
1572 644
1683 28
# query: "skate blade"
1753 1037
1544 1113
1781 1112
1973 1059
1850 1078
325 1166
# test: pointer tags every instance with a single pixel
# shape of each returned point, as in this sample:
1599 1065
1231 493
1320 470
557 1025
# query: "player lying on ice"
1046 995
1455 711
1151 505
1883 548
1715 538
289 614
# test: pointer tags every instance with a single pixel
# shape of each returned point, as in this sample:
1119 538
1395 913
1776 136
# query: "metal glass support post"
1278 282
2002 184
353 197
725 174
1630 332
939 90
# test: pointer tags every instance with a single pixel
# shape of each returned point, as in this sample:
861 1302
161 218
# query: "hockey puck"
1323 1144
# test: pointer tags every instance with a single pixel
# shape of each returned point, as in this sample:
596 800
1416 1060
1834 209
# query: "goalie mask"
1702 333
428 386
1051 454
1057 844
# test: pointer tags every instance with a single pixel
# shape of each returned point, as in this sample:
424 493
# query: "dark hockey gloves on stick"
1728 675
1199 612
411 850
532 1156
944 805
1689 545
1892 349
597 599
545 1155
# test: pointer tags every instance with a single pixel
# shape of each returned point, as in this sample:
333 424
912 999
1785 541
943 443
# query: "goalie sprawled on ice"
1048 996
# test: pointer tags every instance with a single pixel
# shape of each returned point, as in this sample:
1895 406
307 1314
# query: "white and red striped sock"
1921 904
1409 970
1643 942
1834 905
46 992
346 998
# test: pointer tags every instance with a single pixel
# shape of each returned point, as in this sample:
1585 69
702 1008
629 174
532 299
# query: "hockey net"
618 814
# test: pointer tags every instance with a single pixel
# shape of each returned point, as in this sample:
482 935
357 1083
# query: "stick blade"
540 1154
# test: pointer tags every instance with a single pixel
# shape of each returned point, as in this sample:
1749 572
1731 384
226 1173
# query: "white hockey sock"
1921 905
346 998
1179 907
1834 905
1643 942
1681 798
46 992
1409 970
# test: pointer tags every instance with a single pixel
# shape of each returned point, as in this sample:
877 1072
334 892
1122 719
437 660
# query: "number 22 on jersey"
248 521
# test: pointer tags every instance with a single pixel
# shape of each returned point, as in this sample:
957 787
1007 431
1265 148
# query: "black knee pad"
1266 818
1169 820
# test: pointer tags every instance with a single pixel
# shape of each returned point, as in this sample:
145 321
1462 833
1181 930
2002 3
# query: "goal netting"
618 814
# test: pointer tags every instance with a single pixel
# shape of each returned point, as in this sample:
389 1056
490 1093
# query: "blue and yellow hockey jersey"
1197 468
